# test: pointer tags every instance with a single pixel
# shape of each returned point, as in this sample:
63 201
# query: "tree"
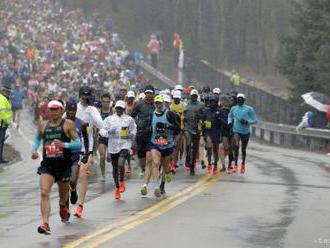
304 57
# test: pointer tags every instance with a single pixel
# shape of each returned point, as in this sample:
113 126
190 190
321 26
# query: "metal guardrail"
312 139
316 140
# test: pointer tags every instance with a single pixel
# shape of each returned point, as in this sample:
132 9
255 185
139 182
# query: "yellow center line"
162 210
139 214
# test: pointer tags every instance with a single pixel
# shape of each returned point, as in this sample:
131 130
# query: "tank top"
52 153
179 109
162 136
105 114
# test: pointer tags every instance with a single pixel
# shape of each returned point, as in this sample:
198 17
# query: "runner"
212 129
120 128
71 110
59 137
242 116
142 113
226 143
178 107
103 141
130 103
192 130
165 125
91 118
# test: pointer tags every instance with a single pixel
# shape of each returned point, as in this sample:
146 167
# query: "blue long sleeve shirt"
238 113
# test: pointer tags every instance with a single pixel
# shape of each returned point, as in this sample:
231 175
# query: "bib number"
161 141
124 132
208 124
53 151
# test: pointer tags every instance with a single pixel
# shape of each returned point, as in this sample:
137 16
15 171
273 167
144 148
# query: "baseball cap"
54 104
120 104
194 92
241 95
71 105
149 89
178 87
130 94
216 91
177 94
159 98
85 91
167 98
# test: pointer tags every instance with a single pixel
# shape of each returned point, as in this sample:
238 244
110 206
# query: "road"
281 201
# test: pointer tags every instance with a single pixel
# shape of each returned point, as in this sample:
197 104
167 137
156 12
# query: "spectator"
154 50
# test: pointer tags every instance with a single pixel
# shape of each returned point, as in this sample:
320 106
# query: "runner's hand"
243 121
35 155
58 143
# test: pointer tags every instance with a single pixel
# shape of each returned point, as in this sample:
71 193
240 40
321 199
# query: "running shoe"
173 167
168 177
117 194
122 187
209 169
73 197
157 192
141 174
44 229
128 170
229 169
102 179
144 190
192 173
215 170
79 211
64 214
223 169
187 167
203 164
235 168
243 169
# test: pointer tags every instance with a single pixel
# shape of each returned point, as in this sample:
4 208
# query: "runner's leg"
46 183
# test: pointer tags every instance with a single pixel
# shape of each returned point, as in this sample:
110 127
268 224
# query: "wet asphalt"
282 201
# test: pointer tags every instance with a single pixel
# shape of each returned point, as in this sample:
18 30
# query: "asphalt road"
281 201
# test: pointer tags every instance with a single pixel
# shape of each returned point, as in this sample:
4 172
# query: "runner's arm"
252 117
75 143
38 137
104 131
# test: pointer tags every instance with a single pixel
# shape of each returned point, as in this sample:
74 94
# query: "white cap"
241 95
120 104
54 104
178 87
194 92
177 94
216 91
130 94
167 98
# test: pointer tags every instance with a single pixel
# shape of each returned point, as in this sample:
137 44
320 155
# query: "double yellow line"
113 230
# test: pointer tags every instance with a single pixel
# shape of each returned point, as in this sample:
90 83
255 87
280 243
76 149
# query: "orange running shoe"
117 194
128 170
122 187
44 229
229 169
209 169
215 170
235 168
243 169
79 211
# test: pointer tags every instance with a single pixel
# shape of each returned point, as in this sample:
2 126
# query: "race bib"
162 141
207 124
124 132
53 151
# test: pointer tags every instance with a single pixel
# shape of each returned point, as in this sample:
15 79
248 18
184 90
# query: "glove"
243 121
84 159
112 130
129 136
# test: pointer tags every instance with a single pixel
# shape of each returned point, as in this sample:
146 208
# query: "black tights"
245 140
118 161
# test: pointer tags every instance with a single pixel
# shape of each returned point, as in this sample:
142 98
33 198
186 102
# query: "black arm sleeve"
174 119
85 137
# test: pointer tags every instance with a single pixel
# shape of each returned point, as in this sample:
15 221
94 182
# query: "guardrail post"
271 137
293 140
262 134
253 131
281 138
